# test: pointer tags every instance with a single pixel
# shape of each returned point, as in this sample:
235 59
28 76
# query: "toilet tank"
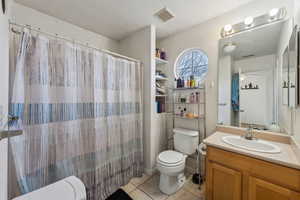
186 141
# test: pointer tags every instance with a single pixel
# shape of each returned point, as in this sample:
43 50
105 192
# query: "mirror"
253 81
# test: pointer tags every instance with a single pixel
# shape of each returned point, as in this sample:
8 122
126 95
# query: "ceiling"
258 42
116 19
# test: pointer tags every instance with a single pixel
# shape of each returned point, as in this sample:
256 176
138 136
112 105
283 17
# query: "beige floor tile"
141 180
151 187
183 195
139 195
194 188
129 187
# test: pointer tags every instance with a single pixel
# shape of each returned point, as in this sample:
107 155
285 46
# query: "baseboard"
150 172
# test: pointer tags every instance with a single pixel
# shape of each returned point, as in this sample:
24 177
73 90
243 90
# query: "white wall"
255 64
24 15
224 102
4 68
205 36
141 45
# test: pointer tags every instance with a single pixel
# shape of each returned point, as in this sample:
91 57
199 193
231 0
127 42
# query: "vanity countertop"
286 157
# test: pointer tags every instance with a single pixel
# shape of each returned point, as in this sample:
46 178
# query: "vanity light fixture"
249 21
273 16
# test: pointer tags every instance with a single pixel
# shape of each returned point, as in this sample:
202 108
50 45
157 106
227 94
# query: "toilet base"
171 184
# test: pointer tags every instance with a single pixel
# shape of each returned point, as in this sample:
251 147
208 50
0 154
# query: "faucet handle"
250 127
249 133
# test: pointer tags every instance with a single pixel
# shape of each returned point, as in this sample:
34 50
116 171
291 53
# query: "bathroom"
148 100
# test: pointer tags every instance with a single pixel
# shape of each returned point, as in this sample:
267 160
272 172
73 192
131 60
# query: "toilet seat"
170 158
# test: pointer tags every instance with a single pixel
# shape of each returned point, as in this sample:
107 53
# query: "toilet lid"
170 157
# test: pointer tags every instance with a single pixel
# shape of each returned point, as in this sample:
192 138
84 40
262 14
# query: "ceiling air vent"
165 14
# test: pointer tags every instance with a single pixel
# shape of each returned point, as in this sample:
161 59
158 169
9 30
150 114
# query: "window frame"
182 53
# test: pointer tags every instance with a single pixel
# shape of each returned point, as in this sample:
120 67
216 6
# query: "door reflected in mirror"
293 61
253 77
285 77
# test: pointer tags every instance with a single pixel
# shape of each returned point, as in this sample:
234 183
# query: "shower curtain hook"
29 27
56 38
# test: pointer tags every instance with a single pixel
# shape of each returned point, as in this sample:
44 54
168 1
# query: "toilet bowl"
171 164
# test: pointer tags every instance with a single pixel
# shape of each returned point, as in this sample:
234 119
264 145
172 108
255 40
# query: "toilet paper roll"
202 149
70 188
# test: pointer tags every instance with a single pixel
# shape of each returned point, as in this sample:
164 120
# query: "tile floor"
147 188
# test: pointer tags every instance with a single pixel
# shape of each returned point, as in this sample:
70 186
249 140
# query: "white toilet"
171 164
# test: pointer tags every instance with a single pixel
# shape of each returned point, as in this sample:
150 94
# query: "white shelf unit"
161 99
196 122
198 106
160 78
160 61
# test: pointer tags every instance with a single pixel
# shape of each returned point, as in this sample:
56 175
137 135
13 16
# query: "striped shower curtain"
81 115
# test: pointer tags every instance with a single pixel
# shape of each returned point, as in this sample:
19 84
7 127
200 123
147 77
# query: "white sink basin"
251 145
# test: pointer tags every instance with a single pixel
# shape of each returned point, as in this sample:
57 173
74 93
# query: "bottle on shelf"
163 54
188 83
193 98
158 53
181 113
197 97
178 98
178 82
188 99
178 111
193 82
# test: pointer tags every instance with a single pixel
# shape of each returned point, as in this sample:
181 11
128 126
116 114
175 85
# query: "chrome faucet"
249 133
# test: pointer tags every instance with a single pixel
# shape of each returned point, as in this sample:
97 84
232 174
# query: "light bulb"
242 77
249 21
273 12
228 28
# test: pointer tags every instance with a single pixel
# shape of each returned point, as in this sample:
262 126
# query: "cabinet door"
223 183
262 190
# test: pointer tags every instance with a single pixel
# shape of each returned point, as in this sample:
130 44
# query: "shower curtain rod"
70 40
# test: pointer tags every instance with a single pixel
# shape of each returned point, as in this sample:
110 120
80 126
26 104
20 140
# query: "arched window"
192 62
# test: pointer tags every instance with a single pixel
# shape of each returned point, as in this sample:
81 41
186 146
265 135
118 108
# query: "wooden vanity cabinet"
224 183
263 190
232 176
